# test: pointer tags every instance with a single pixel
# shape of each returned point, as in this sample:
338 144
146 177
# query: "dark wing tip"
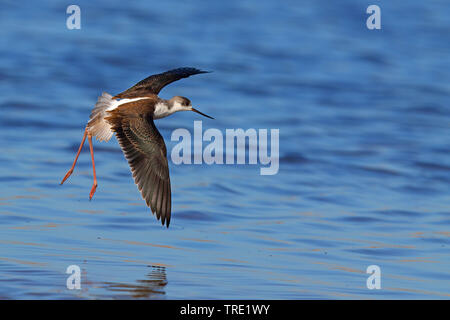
203 71
189 71
165 221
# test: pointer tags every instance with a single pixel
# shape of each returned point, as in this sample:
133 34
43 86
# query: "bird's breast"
161 111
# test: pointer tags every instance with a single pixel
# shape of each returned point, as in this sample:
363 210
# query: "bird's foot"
91 194
67 175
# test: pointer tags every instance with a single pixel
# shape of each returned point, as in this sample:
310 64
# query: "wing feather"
154 83
145 150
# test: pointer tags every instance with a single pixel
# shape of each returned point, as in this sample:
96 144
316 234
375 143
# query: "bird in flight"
130 115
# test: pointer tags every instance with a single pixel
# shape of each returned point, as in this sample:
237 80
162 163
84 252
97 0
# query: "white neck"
162 109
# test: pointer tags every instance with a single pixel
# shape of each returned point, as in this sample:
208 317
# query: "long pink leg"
76 158
94 186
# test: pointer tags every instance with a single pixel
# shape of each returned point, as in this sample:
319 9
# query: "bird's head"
184 104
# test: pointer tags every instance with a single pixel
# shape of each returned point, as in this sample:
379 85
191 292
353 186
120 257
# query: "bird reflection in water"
150 288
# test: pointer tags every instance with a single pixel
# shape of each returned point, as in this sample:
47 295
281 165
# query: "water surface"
364 151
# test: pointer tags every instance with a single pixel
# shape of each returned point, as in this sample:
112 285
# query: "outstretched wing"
154 83
145 150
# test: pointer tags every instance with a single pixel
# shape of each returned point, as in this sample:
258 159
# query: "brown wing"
154 83
145 150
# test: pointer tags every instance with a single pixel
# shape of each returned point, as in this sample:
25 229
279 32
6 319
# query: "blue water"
364 174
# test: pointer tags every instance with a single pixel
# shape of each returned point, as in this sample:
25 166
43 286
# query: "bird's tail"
97 124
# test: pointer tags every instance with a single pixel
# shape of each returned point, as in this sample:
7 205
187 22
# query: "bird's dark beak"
195 110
